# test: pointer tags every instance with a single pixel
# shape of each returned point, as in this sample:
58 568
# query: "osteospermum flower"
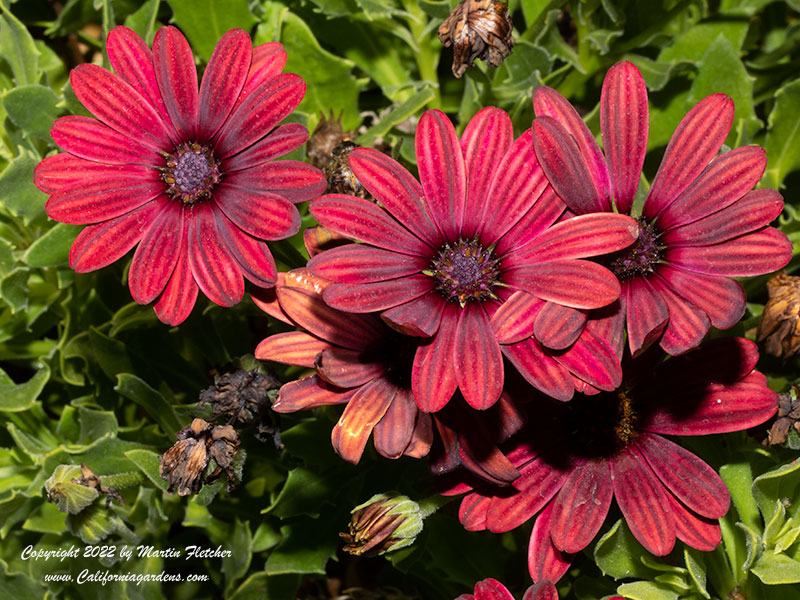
439 258
491 589
186 175
575 457
699 225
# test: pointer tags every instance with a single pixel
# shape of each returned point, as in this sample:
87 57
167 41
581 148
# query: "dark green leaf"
305 549
17 397
17 47
618 554
52 249
17 191
32 108
240 542
110 354
783 151
151 400
205 21
147 461
408 108
143 21
14 288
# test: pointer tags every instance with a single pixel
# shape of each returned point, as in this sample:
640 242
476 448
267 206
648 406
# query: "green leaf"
17 47
6 257
776 569
745 8
697 570
240 543
151 400
783 151
438 9
618 554
205 21
143 20
778 485
647 590
304 493
380 9
408 108
739 479
14 288
17 192
96 424
18 397
265 537
304 549
19 585
692 45
110 354
657 74
534 9
52 249
46 519
755 546
32 108
93 524
147 461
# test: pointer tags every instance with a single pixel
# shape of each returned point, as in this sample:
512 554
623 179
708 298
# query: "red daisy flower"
438 258
699 225
575 457
186 175
491 589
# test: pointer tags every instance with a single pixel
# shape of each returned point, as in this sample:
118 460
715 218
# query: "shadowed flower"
491 589
575 457
186 175
439 258
700 223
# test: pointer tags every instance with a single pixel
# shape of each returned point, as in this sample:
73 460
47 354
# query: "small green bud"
384 523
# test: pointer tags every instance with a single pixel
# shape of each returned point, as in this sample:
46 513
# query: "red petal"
177 79
545 211
566 168
372 297
574 283
422 437
290 179
291 348
541 371
364 221
104 199
309 392
357 263
478 362
543 590
624 124
692 529
592 360
268 62
156 255
687 325
608 324
223 79
514 320
491 589
763 251
643 501
394 431
282 140
472 511
647 314
484 143
90 139
691 480
419 317
442 172
433 377
365 409
694 143
261 214
347 368
267 105
214 269
722 299
176 302
253 256
545 561
62 171
557 327
721 360
581 506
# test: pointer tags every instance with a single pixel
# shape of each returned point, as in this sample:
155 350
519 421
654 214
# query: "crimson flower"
699 225
575 457
186 175
439 257
491 589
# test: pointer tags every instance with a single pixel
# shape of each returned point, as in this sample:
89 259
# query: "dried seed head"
779 327
477 29
327 135
341 179
383 523
787 418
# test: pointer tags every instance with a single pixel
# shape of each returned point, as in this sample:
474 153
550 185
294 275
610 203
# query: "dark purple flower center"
464 271
640 258
191 173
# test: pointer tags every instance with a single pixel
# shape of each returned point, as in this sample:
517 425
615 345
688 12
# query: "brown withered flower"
779 328
788 417
384 522
341 179
477 29
90 479
183 466
326 136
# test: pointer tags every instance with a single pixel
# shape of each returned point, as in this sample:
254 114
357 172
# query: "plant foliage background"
90 377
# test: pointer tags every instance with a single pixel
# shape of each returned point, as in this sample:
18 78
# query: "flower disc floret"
191 173
641 258
465 271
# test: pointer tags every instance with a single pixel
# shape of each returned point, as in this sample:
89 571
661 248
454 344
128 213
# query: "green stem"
429 505
122 480
427 54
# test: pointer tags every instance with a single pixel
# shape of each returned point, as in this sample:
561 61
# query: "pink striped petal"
540 370
491 589
484 143
724 181
62 171
691 480
687 326
308 311
267 62
472 511
419 317
296 181
282 140
608 324
422 437
514 320
267 105
557 327
157 254
581 506
177 301
545 211
433 377
357 263
100 245
364 221
753 211
566 168
695 142
367 406
515 187
377 296
543 590
643 501
223 79
698 532
307 393
482 457
252 255
593 361
647 314
214 269
177 79
132 60
394 431
549 103
574 283
397 191
119 106
545 561
478 362
347 368
624 122
722 299
103 199
90 139
261 214
763 251
442 172
291 348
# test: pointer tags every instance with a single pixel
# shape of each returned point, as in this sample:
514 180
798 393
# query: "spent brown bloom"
779 328
788 417
341 179
327 135
477 29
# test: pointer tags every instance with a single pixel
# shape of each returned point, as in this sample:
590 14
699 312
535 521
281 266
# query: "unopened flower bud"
779 328
385 522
